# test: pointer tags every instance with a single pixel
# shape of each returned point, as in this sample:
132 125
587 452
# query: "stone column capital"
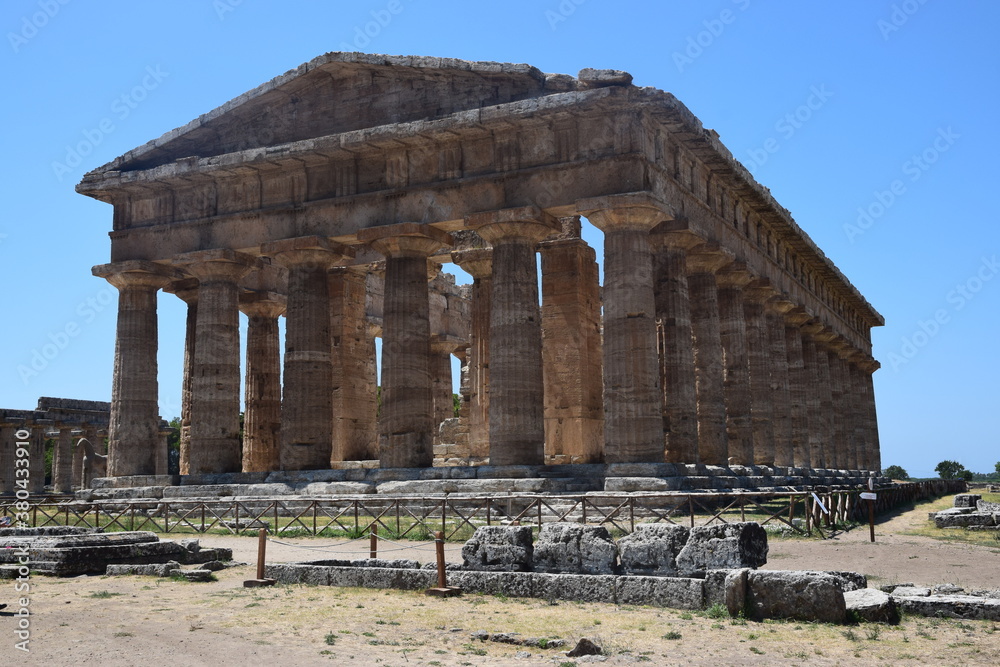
186 290
217 265
707 258
524 222
306 251
818 331
635 210
759 291
263 304
780 305
136 273
405 239
477 262
446 344
797 316
734 276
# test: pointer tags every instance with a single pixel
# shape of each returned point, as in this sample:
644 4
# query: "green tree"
997 466
950 470
896 472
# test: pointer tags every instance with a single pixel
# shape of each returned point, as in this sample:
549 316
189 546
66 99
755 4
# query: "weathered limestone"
477 262
713 447
734 334
571 347
499 549
442 394
677 374
814 407
871 606
758 344
262 387
517 426
633 403
355 426
215 406
722 547
307 396
575 548
134 431
807 596
62 461
407 402
652 549
783 412
187 291
798 389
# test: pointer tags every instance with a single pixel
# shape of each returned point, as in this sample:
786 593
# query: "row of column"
694 359
67 458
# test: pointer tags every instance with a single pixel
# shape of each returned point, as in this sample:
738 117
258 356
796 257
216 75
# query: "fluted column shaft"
839 414
517 395
874 456
187 291
62 461
734 334
36 458
633 398
406 423
135 424
814 406
262 383
782 411
442 387
759 347
798 390
355 408
571 350
215 376
677 367
477 262
8 449
713 445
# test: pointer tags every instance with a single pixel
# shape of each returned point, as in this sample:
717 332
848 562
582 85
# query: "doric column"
442 387
62 460
163 449
135 422
856 392
355 407
825 457
307 396
262 382
407 402
873 455
571 346
841 411
215 374
730 282
759 346
36 458
798 387
8 449
517 404
713 447
187 291
676 346
782 411
477 262
814 407
633 400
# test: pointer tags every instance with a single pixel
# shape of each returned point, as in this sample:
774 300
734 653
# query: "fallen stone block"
850 581
963 520
652 549
951 606
47 531
800 595
967 499
723 547
572 548
988 507
194 575
871 605
499 548
911 591
672 592
148 570
577 587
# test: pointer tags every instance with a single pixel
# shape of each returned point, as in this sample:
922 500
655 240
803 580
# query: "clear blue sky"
887 107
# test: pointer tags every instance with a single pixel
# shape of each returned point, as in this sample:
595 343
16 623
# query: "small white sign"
820 503
868 496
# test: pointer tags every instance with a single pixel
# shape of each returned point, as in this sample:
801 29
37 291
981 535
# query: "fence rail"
458 516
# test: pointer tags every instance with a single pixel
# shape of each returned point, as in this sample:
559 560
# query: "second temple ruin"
331 196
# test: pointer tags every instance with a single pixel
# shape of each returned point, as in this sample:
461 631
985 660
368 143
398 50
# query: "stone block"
967 499
850 581
987 507
572 548
652 548
193 575
499 548
671 592
149 570
720 547
577 587
963 520
872 605
911 591
804 596
950 606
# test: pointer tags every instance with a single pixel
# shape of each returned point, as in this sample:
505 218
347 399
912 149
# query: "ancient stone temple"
722 334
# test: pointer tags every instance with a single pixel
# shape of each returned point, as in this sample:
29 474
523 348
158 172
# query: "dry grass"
928 529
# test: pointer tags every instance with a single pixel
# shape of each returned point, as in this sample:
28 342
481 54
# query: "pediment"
339 92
